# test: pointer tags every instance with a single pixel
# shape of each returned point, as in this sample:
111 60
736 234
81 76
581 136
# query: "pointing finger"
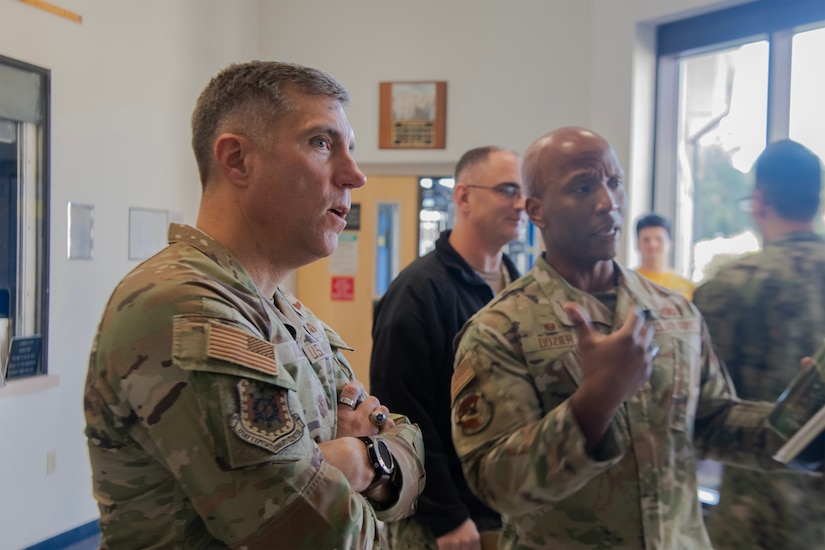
580 319
634 322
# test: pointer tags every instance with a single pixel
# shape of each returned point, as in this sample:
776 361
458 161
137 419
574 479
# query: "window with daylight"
730 82
24 203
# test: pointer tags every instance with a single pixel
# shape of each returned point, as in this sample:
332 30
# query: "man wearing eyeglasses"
413 330
765 312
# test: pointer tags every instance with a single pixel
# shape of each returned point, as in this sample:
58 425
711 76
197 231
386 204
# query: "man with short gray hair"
413 330
221 412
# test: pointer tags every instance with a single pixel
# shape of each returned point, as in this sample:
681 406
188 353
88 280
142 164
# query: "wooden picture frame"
412 115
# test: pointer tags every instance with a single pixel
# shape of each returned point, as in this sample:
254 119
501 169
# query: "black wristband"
381 460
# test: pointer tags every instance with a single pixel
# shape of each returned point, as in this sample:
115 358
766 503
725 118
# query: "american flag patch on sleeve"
236 346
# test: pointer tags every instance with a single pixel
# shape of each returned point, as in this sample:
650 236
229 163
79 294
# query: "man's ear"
460 193
232 154
532 206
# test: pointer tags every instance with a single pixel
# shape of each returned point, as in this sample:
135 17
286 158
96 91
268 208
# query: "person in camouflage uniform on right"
583 393
765 312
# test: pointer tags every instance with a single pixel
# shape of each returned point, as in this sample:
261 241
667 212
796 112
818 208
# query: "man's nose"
348 173
607 199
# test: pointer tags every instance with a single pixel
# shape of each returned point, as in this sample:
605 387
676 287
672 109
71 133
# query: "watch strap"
381 475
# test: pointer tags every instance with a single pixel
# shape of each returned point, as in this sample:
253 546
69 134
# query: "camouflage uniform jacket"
204 406
767 311
524 454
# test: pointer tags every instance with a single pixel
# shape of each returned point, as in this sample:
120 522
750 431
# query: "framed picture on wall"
412 115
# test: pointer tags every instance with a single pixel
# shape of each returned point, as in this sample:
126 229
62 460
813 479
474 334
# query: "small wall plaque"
412 115
24 357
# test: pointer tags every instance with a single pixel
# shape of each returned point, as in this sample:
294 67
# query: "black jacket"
412 365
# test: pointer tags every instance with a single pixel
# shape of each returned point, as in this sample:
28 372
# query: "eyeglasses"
510 191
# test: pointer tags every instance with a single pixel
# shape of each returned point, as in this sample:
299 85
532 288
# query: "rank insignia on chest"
264 418
314 331
669 312
473 413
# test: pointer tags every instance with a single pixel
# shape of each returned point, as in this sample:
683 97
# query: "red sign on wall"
343 288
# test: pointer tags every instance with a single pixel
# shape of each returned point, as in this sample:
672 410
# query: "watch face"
384 456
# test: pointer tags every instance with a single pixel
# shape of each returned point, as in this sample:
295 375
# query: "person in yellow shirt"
653 239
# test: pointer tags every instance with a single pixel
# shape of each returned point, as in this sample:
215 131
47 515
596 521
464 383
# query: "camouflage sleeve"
407 448
720 302
726 428
404 441
229 427
515 455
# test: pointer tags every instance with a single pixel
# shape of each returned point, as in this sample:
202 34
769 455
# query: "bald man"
583 394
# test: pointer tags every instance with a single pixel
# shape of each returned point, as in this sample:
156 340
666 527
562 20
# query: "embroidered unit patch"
474 413
264 418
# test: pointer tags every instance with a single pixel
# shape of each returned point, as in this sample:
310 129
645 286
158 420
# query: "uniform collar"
212 249
558 292
796 236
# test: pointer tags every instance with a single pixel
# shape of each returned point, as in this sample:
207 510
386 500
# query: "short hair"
476 156
249 98
790 178
653 220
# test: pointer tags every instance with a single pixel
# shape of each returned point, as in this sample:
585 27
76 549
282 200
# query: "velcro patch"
556 341
462 376
316 351
473 413
677 325
264 418
236 346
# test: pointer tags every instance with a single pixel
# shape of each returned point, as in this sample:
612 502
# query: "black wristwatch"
381 460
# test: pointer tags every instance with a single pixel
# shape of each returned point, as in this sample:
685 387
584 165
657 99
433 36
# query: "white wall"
514 69
123 87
